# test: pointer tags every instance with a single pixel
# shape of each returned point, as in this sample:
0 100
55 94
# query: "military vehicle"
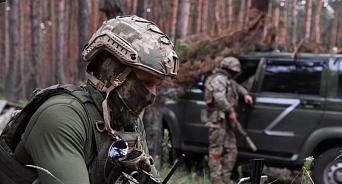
297 112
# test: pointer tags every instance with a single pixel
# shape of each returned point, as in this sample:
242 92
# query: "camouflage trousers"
222 154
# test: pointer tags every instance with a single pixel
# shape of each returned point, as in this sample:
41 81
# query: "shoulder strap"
18 124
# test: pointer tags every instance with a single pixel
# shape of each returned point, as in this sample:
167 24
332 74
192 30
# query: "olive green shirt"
59 138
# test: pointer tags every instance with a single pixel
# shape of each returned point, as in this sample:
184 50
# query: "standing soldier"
221 95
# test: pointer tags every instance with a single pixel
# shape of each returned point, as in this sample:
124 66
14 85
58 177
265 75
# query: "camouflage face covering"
128 101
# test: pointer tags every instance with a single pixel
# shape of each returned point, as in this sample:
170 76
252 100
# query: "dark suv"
297 113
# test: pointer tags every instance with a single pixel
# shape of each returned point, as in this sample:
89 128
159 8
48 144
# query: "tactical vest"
13 172
231 92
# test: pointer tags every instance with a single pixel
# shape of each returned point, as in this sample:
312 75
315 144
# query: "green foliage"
166 145
182 45
23 101
80 82
339 156
309 161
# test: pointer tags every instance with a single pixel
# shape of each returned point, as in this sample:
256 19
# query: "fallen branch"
297 47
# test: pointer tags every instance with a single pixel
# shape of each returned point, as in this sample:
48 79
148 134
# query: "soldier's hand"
248 99
232 117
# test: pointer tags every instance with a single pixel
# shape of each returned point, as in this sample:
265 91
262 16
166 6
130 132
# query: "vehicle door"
288 104
195 133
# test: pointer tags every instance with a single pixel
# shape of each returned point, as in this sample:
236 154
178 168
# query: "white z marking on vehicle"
285 101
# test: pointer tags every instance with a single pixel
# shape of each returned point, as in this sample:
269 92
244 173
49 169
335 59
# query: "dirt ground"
281 175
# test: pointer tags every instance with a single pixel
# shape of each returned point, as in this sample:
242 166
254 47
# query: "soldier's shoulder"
219 78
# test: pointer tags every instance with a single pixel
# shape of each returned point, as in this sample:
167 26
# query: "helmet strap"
102 87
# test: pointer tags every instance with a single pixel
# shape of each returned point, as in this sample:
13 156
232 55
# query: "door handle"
311 103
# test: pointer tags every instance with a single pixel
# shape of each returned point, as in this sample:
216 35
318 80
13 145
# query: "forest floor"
198 172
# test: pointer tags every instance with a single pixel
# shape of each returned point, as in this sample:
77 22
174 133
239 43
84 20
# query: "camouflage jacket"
221 95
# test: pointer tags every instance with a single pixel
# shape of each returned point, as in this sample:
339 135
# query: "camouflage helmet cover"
136 42
231 63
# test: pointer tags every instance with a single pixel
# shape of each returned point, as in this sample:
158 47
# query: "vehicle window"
293 77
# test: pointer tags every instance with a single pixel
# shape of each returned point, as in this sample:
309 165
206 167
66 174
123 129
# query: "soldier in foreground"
82 135
222 95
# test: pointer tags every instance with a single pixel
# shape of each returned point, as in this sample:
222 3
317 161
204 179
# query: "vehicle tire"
326 169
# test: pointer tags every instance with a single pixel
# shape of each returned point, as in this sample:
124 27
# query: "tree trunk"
114 8
339 36
269 12
172 19
22 49
2 42
66 59
242 12
249 4
154 124
182 21
276 15
222 10
198 17
36 49
294 23
129 6
333 33
191 19
27 42
212 21
53 40
94 18
12 77
307 22
158 13
75 53
261 5
134 7
283 31
217 17
60 37
7 40
141 10
46 46
204 17
316 26
69 41
230 13
84 35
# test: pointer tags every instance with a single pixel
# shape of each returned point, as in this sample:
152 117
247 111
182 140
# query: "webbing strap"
106 109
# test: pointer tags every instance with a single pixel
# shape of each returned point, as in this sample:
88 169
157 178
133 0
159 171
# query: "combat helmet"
136 43
231 63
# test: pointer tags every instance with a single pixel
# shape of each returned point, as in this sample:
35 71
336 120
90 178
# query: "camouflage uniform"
222 93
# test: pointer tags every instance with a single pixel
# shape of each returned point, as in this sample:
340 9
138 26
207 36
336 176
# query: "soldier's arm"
240 89
243 92
219 84
57 143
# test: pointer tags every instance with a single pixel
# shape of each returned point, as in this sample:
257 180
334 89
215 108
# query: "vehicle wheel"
326 169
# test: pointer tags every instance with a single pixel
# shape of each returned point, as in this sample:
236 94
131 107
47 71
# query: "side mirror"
201 85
